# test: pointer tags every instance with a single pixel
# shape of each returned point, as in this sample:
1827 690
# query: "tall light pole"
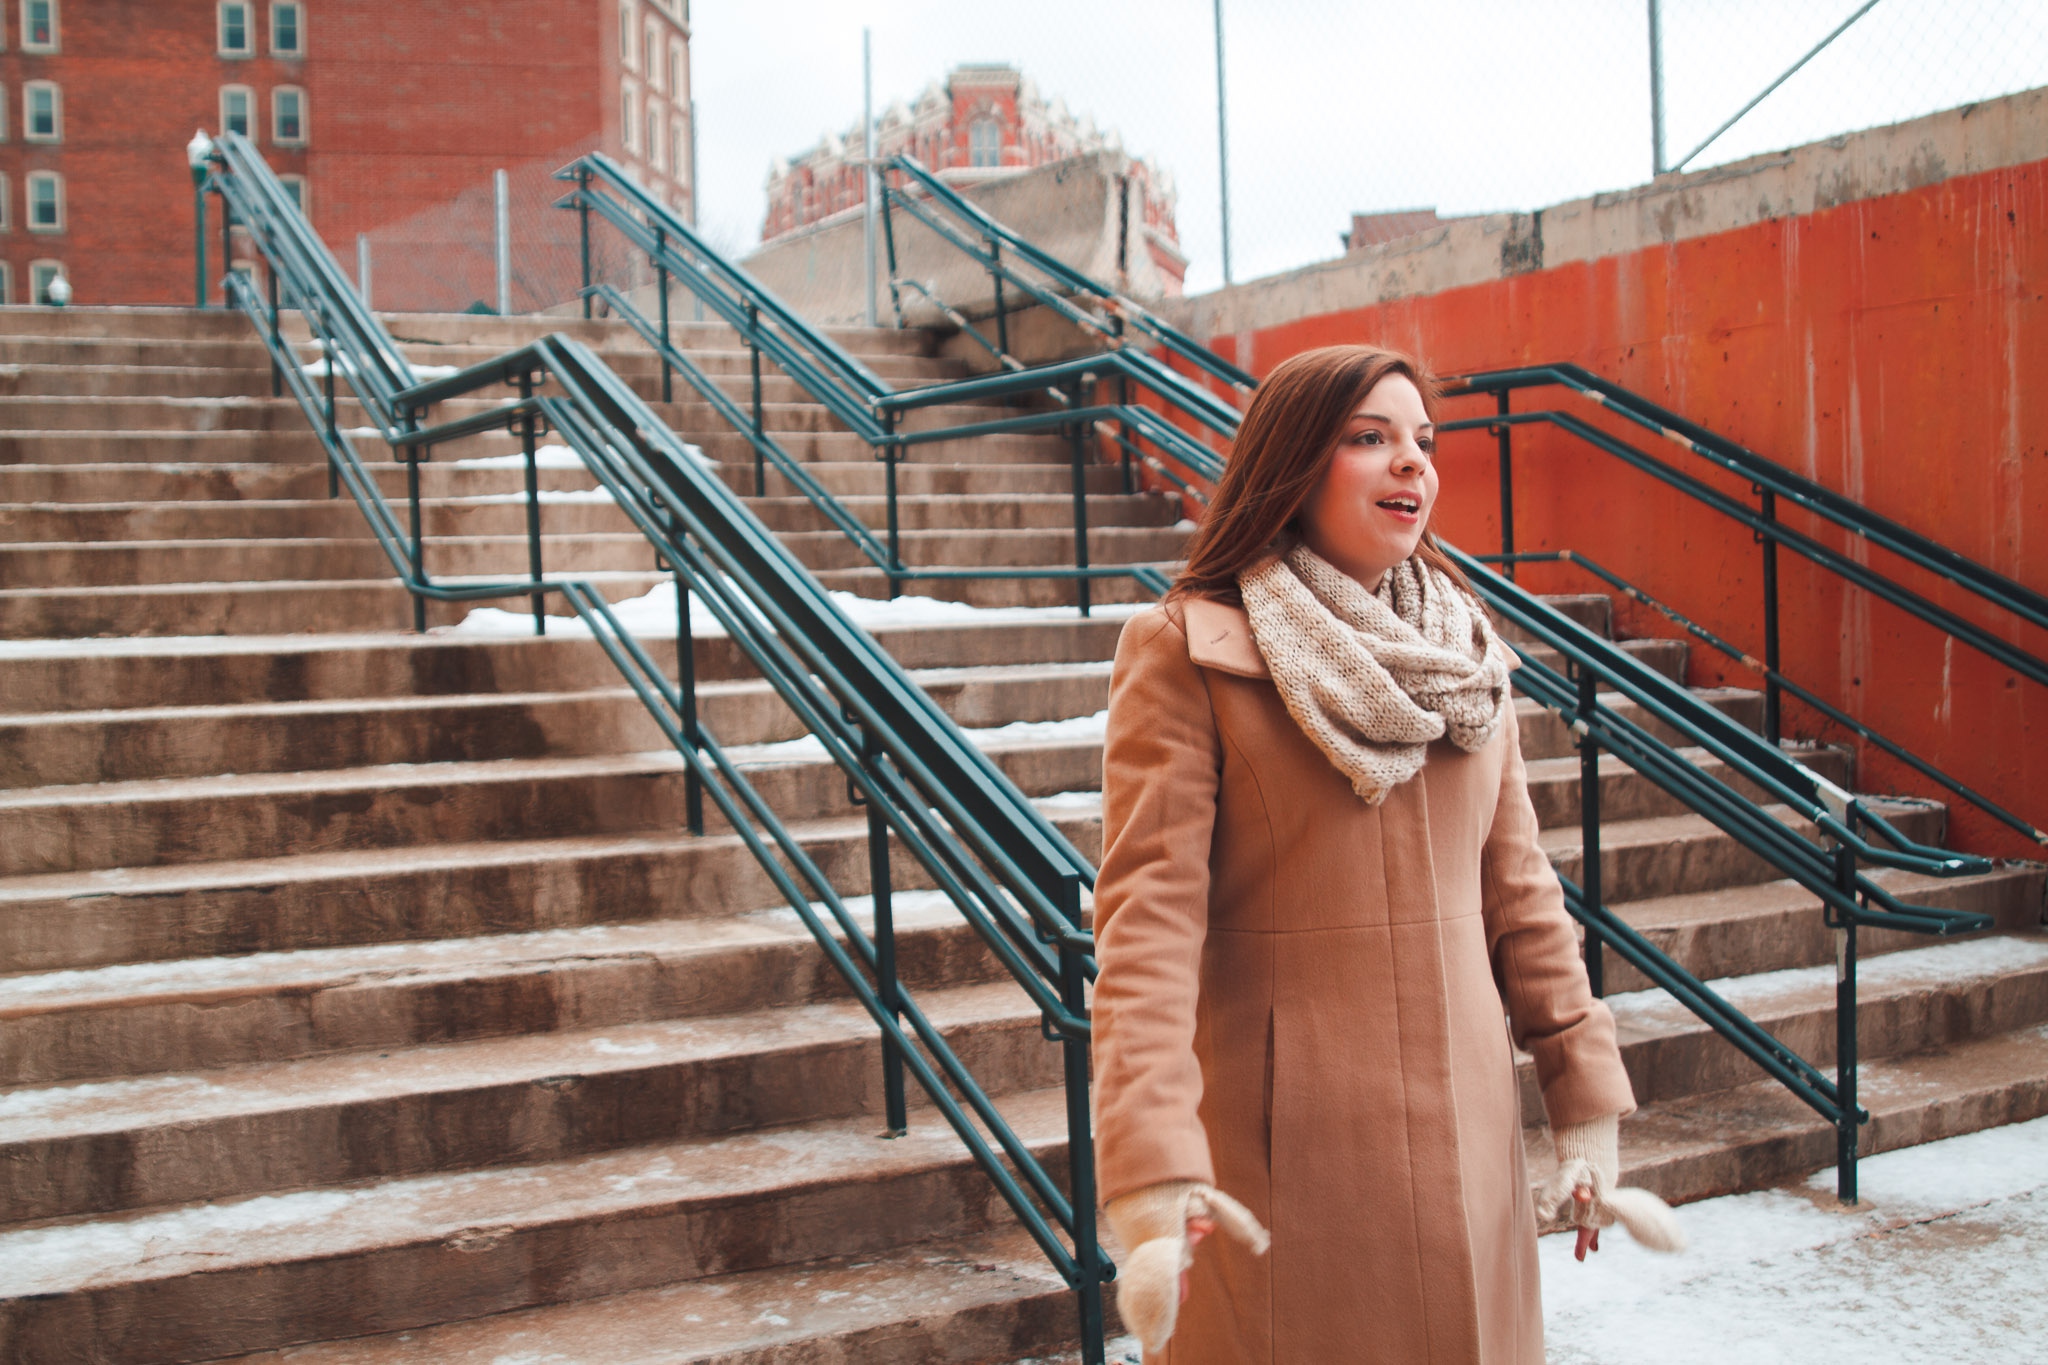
1656 91
1223 142
867 154
195 157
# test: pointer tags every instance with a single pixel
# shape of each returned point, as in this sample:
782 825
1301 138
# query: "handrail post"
889 244
754 360
1589 826
661 283
895 1120
199 236
1845 1023
583 231
1079 441
227 245
890 451
1505 435
686 690
276 371
526 446
1123 400
1090 1270
995 270
328 355
412 496
1769 511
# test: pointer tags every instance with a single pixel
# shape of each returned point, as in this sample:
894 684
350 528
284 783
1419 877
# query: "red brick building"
984 122
374 110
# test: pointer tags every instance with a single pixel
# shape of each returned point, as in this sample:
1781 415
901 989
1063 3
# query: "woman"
1320 892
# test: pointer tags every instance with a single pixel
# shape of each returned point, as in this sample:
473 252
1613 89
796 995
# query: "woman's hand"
1588 1180
1160 1226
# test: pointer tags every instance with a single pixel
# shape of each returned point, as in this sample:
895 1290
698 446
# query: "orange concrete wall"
1894 348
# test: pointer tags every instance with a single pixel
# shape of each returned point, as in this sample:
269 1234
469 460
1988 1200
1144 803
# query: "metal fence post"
583 231
889 248
890 452
526 446
1505 436
276 371
1079 439
686 690
1088 1260
1589 828
995 270
330 362
1845 1024
199 235
895 1119
411 455
501 187
754 365
661 283
363 266
1769 501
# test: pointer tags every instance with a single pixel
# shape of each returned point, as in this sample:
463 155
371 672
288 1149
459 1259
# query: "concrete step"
265 413
244 816
960 1301
566 550
134 1019
297 901
75 747
58 675
322 1121
173 482
336 606
504 513
196 1282
1772 926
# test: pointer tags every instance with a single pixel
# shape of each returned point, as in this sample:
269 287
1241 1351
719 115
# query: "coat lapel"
1220 637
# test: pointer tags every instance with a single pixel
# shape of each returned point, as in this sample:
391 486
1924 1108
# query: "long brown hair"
1287 439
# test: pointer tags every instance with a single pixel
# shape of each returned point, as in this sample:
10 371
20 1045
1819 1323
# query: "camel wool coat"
1307 1001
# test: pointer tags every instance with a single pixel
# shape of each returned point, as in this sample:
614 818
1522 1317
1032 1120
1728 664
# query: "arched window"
652 47
985 143
654 157
629 118
628 30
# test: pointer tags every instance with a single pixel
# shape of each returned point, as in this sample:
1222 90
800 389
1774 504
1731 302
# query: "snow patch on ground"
1074 730
654 614
544 457
1943 1260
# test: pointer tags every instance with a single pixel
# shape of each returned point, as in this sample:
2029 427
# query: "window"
653 136
678 148
288 116
6 205
39 26
235 38
629 119
6 283
237 110
287 29
676 82
40 273
3 113
295 186
45 202
42 112
627 32
985 143
653 50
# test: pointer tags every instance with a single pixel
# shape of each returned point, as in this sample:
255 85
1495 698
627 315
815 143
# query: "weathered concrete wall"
1868 311
1070 209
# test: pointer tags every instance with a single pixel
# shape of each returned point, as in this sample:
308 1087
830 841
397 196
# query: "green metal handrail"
1772 482
925 787
1849 899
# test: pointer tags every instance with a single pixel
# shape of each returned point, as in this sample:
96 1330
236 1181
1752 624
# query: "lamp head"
58 291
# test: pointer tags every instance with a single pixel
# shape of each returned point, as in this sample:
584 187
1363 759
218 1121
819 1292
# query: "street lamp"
58 291
195 156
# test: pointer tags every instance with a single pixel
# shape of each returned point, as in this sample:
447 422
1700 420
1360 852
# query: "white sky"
1338 105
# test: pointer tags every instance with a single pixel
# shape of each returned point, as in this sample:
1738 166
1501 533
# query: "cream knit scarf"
1373 677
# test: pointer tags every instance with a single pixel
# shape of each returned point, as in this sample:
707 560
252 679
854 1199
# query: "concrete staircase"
364 999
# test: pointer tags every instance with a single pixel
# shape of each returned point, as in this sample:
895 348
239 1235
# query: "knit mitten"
1152 1223
1589 1158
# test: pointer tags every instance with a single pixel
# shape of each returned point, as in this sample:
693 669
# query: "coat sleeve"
1160 770
1535 952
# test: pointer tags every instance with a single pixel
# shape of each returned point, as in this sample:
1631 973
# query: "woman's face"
1367 513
